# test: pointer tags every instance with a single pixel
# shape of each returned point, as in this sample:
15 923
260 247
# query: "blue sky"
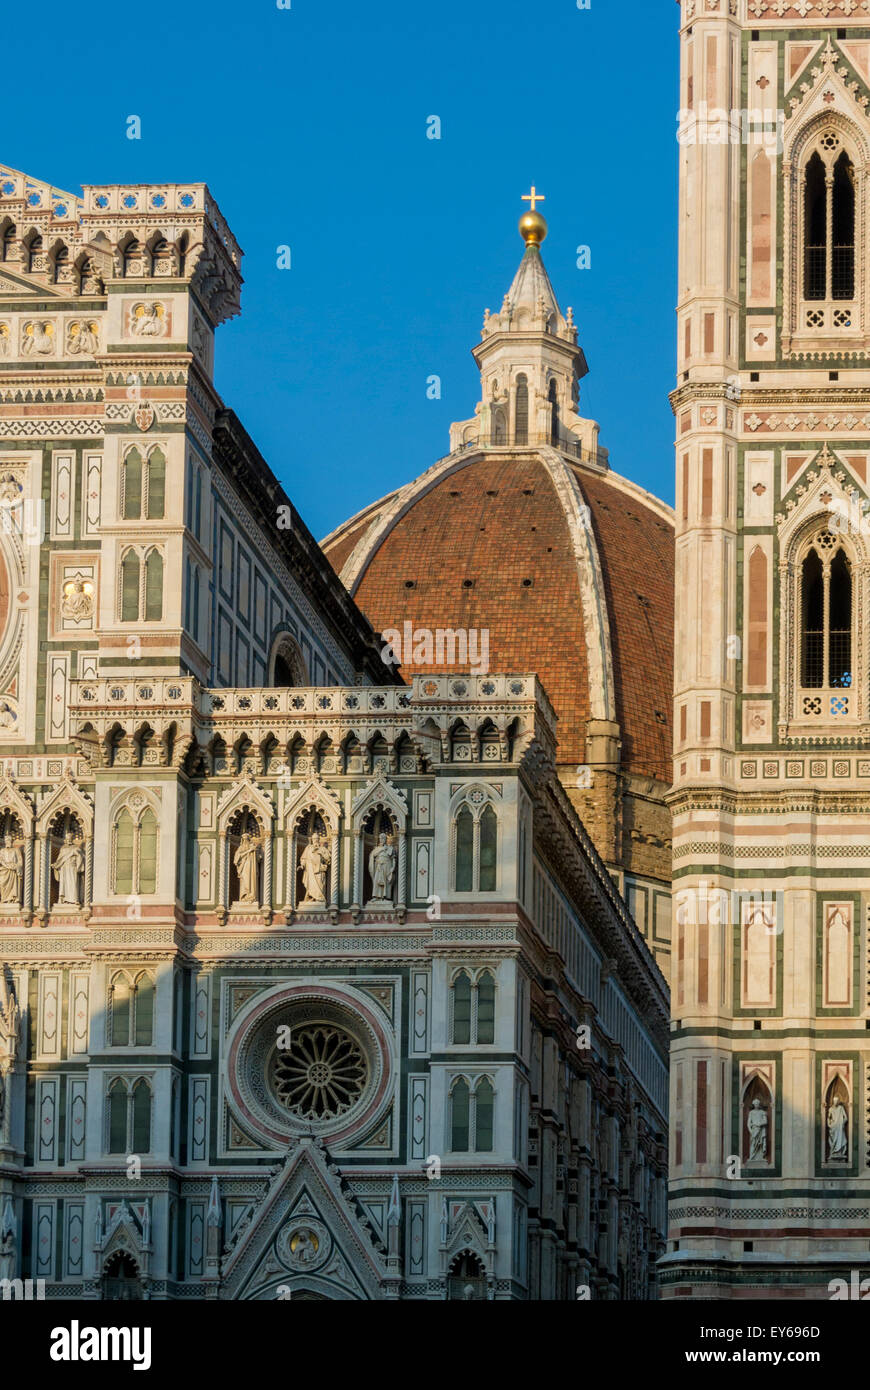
309 125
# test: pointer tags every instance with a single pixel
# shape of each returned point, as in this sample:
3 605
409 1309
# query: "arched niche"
245 818
757 1122
379 822
311 836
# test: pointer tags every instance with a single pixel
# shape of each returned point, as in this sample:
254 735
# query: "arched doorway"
121 1282
466 1281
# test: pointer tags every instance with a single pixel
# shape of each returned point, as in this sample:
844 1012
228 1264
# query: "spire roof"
531 284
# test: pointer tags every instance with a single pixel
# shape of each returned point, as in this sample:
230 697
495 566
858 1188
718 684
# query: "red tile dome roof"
569 567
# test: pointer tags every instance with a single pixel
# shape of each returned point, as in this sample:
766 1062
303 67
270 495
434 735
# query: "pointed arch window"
464 851
521 410
461 993
155 485
460 1116
824 229
488 843
117 1117
485 1007
483 1114
7 244
472 1115
143 485
128 1116
829 223
131 1010
141 1117
141 586
472 1009
131 486
826 616
475 844
153 587
135 852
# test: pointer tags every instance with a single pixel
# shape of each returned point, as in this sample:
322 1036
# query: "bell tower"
770 1183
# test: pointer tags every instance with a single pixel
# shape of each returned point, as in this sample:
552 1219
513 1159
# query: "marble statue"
11 871
756 1123
246 859
315 859
838 1144
382 867
68 865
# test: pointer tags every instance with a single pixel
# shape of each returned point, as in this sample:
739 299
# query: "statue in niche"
837 1123
69 865
382 868
246 861
8 1232
10 1019
11 871
756 1123
314 861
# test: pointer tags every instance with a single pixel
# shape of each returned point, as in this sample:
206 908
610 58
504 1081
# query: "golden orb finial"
533 224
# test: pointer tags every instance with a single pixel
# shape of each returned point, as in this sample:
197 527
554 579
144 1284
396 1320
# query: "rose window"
321 1074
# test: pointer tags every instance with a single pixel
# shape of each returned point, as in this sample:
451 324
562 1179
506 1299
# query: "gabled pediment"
829 84
11 798
18 284
380 793
66 797
826 493
307 1235
243 795
313 794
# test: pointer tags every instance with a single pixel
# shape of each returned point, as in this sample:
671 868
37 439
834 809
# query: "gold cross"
533 197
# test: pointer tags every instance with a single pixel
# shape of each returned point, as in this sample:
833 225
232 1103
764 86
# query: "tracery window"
475 844
824 233
472 1008
134 856
7 244
829 223
472 1111
141 586
128 1116
131 1010
826 616
143 485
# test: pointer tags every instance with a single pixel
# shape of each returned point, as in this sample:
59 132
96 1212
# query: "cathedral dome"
566 566
527 554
